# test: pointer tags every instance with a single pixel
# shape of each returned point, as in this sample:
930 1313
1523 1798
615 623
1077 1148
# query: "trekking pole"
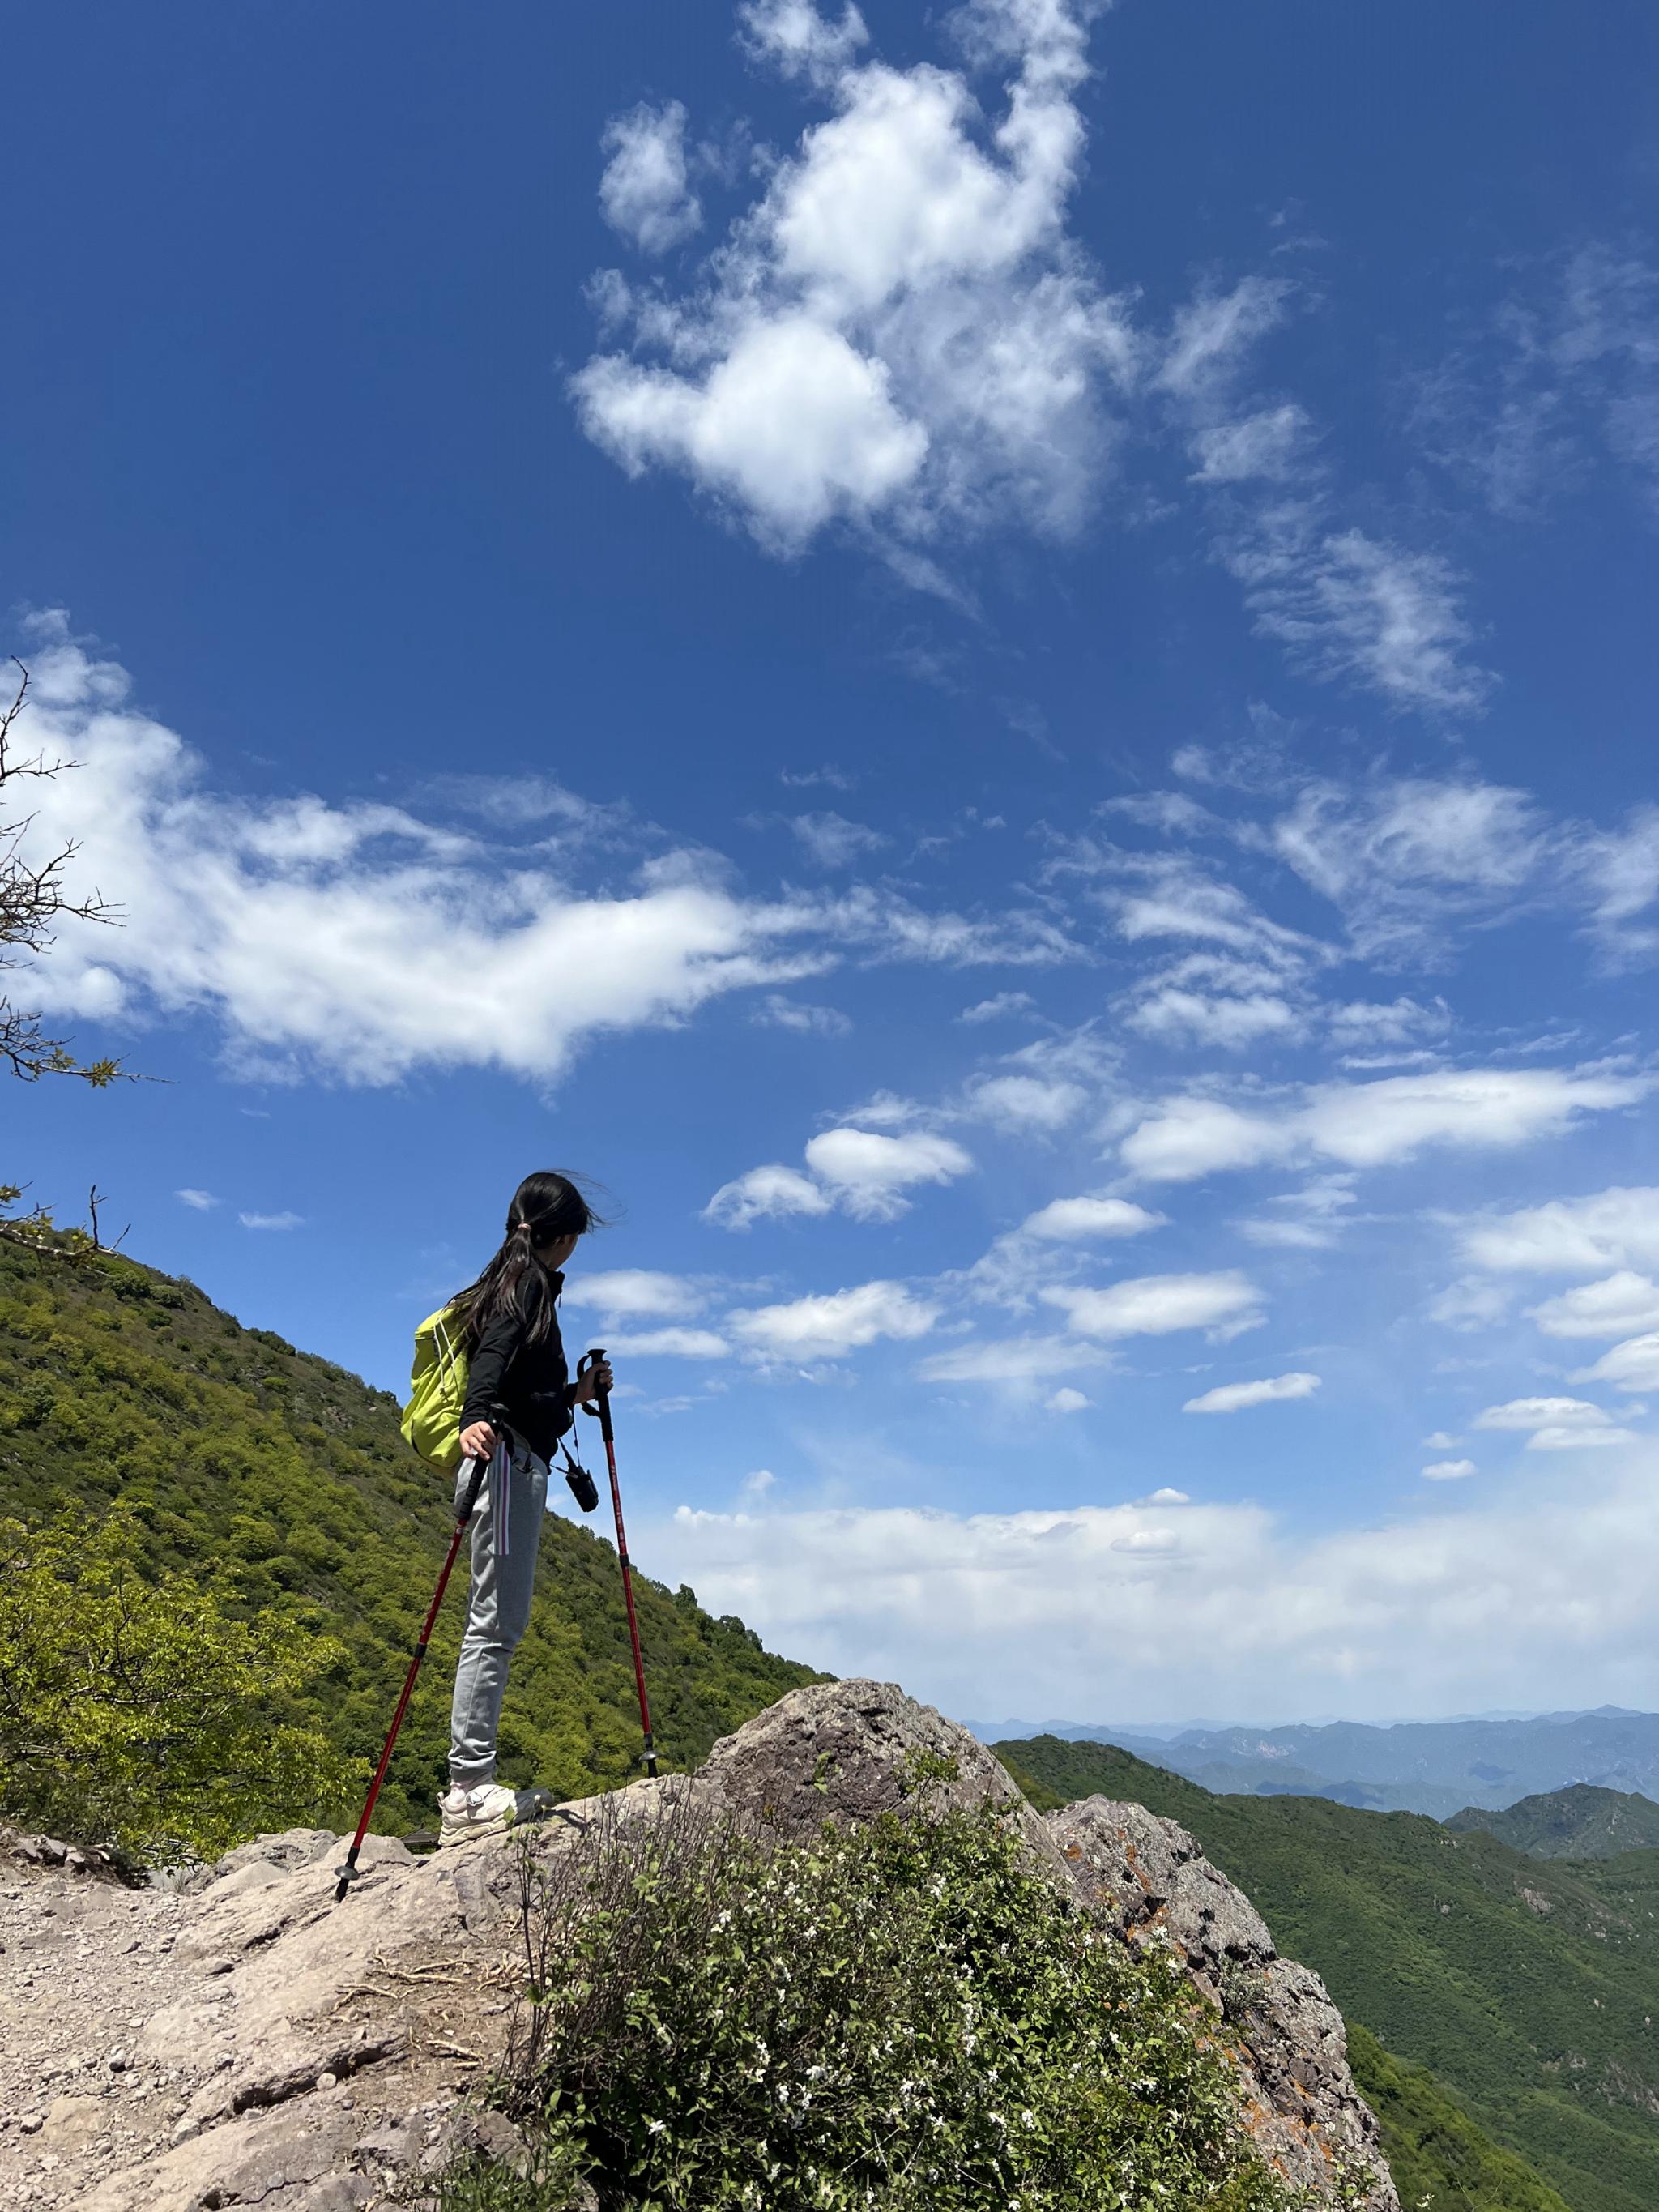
349 1872
595 1358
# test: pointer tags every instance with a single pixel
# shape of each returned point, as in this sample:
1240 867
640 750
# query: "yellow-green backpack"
437 1391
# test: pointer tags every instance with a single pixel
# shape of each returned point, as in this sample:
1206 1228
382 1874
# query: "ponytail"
546 1207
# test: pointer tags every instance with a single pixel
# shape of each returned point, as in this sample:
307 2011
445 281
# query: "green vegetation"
1582 1822
136 1714
1437 2154
285 1481
1527 1988
904 2015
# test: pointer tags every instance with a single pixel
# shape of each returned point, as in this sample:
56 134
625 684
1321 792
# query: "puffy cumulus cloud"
1557 1424
360 942
1235 1397
1026 1104
833 1323
1621 1304
1449 1470
634 1294
644 193
869 1174
1541 1595
1633 1366
1078 1220
1613 1227
1157 1305
1367 1125
900 328
1067 1400
767 1194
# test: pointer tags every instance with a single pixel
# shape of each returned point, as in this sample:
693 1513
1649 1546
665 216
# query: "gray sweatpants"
507 1533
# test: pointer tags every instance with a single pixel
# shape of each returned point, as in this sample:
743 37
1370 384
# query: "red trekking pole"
595 1358
349 1871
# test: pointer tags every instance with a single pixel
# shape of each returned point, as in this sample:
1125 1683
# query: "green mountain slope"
1530 1988
1582 1822
287 1480
1438 2156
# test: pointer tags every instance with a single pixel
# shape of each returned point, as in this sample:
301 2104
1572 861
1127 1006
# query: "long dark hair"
546 1207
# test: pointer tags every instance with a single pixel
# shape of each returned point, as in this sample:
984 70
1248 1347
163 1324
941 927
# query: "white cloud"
1212 333
1439 1441
1026 1103
1234 1023
1155 1305
833 841
644 193
1613 1227
1539 1594
869 1174
1000 1008
1544 1412
1269 446
796 39
1165 1496
827 1326
1067 1400
1075 1220
1470 1304
767 1194
758 1484
1449 1470
1621 1304
200 1201
672 1343
1351 607
1374 1124
899 329
1631 1366
273 1220
634 1294
777 1012
1234 1397
1574 1437
1016 1360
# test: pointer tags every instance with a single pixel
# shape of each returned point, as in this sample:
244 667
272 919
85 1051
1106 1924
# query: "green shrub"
901 2015
135 1712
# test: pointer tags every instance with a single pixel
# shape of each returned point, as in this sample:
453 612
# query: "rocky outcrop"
1150 1879
246 2040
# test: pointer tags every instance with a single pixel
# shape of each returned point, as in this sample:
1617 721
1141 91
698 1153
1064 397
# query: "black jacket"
525 1385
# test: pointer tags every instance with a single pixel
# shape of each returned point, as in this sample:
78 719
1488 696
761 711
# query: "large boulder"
1149 1878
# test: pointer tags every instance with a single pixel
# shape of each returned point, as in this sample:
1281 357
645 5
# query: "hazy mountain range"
1437 1767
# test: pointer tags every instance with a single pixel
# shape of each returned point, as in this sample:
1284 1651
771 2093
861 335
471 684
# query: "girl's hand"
596 1380
478 1442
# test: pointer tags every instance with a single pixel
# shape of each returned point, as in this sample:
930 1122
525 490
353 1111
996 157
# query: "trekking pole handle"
589 1360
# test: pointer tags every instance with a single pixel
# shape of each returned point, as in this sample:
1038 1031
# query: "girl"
520 1401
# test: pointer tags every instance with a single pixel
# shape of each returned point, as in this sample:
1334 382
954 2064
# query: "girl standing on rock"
520 1401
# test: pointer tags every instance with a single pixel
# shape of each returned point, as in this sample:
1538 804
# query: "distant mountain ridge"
1437 1767
1579 1823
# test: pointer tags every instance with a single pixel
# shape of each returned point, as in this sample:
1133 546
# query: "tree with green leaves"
135 1710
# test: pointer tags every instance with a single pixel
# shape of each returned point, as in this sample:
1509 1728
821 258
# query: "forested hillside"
285 1480
1528 1988
1582 1822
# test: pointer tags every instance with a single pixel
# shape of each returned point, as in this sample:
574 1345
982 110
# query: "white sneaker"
486 1809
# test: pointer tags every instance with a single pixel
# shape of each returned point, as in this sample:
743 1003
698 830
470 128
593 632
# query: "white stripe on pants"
507 1533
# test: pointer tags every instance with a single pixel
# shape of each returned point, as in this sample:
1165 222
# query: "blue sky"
1000 665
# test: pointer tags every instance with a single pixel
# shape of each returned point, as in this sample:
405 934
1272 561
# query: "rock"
71 2122
1151 1880
850 1751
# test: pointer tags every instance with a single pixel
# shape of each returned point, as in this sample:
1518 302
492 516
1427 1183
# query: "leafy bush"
136 1714
905 2015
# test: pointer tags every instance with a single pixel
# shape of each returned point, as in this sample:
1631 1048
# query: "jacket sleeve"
487 1370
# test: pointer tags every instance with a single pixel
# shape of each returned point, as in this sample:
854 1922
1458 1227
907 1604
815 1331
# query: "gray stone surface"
1151 1880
